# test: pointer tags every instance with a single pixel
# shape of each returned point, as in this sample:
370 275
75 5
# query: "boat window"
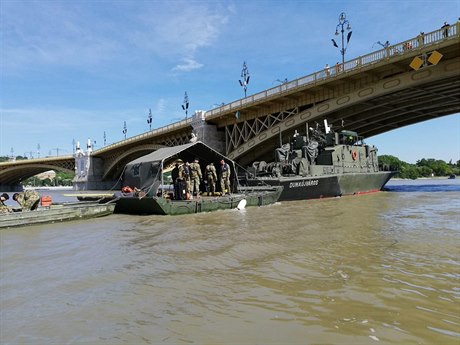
135 169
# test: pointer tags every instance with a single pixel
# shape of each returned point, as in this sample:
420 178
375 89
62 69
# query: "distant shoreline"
422 178
51 188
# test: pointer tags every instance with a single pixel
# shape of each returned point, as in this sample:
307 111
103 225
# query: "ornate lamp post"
244 81
342 22
149 119
125 129
105 139
185 105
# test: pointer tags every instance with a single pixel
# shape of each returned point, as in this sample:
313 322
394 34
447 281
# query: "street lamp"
185 104
149 119
342 22
125 129
282 81
105 139
244 81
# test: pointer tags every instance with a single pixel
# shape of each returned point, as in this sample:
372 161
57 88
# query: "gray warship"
322 163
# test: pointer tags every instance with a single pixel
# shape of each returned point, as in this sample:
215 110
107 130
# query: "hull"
254 196
302 188
56 213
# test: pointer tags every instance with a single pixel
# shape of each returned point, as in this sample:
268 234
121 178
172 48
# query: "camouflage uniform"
224 177
184 175
28 199
211 177
195 177
3 208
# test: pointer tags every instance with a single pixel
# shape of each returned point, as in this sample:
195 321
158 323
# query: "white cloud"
188 65
74 34
181 32
160 106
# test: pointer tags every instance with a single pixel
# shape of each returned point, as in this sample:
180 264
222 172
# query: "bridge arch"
18 173
114 167
414 91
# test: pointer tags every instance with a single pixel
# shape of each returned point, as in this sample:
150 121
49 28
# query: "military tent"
147 172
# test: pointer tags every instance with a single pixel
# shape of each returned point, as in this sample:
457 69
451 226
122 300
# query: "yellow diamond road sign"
434 57
416 63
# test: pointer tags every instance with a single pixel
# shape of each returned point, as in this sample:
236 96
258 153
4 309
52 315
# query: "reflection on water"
424 185
382 267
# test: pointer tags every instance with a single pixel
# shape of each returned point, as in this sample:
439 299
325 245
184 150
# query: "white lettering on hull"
304 183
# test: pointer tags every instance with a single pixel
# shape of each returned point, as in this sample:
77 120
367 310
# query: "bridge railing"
398 49
158 131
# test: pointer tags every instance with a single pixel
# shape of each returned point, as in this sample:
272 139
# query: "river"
379 268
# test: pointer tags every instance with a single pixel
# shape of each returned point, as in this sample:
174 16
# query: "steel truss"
240 132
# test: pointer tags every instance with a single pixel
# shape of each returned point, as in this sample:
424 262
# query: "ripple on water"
380 267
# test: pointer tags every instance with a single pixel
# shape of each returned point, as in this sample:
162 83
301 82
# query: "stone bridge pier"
89 171
207 133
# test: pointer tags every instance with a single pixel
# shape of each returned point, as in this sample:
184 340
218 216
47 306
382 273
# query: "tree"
391 161
425 171
409 171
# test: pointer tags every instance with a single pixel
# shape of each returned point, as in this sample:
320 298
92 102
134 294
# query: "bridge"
399 85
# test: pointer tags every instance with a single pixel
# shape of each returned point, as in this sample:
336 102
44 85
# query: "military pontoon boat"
56 213
153 192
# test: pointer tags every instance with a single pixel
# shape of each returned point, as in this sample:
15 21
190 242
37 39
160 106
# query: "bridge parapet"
177 126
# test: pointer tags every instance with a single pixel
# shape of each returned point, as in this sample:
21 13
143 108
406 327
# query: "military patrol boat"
323 163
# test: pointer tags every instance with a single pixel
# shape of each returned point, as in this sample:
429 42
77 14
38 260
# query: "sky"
78 69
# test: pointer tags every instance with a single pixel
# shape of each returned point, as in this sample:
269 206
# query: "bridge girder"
405 99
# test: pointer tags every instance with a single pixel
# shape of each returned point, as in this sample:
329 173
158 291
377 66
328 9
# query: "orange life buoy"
354 155
127 189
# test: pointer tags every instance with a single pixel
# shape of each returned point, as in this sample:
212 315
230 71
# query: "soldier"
184 174
175 177
3 208
28 200
224 177
180 181
195 177
211 177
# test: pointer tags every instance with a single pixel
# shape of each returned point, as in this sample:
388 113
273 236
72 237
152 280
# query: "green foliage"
6 158
64 175
392 162
425 171
61 179
423 168
439 167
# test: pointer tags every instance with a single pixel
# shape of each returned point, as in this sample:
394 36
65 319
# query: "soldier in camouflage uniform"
184 176
3 208
195 177
28 200
224 177
211 177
